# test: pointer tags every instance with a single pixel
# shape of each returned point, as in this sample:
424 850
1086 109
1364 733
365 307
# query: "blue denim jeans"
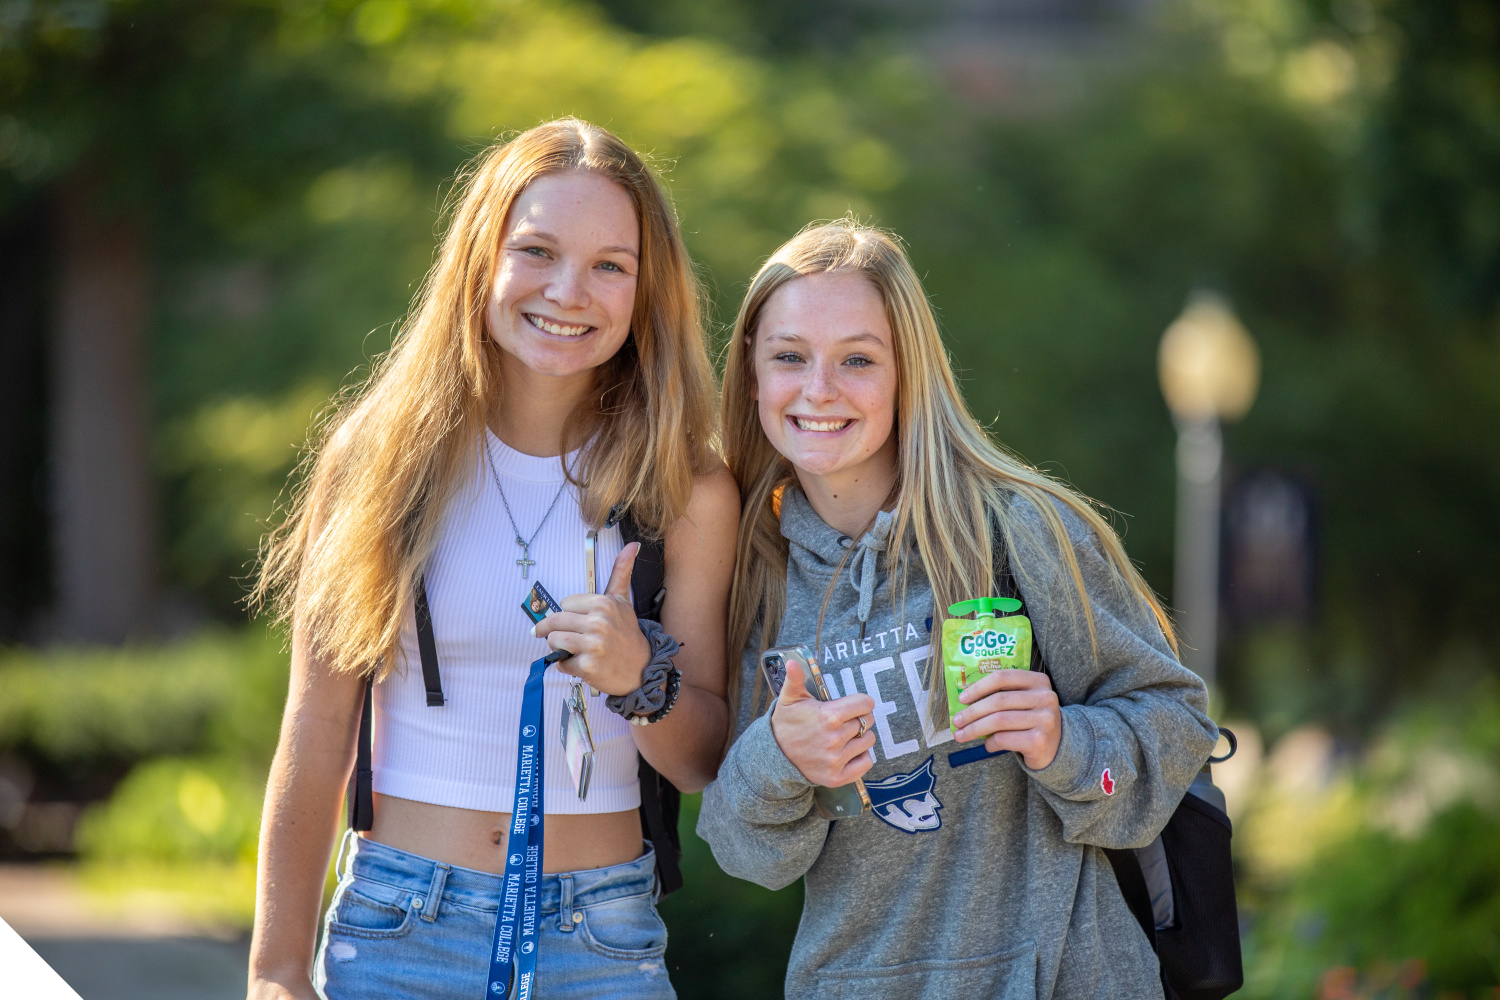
402 926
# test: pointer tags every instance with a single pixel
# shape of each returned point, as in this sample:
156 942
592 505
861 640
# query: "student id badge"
573 728
578 742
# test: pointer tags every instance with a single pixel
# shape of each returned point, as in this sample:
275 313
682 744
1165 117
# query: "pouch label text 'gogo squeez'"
994 639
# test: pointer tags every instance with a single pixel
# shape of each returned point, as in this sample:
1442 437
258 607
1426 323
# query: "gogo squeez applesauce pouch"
983 635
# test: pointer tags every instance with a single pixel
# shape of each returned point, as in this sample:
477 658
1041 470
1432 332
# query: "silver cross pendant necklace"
525 562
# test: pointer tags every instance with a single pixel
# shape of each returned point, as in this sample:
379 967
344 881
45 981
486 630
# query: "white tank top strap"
463 753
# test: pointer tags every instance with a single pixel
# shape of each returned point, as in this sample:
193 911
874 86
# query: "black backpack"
1180 888
661 802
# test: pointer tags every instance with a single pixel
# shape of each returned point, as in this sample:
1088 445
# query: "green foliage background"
1330 166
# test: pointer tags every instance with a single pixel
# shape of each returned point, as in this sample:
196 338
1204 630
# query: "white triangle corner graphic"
23 971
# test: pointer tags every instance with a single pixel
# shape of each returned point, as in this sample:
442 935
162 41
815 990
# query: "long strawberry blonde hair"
954 484
343 564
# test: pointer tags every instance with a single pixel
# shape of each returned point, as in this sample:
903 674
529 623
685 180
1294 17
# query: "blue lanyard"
518 924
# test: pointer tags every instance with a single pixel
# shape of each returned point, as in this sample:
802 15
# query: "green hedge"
221 693
178 810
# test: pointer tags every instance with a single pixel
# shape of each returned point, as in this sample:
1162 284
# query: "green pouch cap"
984 606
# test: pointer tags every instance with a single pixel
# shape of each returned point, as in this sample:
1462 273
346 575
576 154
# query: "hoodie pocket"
1002 975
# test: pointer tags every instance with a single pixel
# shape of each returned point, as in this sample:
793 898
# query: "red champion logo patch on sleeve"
1107 783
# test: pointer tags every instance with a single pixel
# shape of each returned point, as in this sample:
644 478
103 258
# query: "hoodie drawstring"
863 574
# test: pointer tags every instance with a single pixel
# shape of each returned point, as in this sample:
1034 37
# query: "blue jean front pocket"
370 910
628 927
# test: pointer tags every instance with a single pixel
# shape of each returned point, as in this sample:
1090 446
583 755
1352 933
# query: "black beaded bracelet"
661 681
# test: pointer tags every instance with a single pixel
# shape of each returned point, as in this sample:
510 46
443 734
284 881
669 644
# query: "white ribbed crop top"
464 753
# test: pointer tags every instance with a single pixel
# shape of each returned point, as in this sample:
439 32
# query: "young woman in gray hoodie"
872 500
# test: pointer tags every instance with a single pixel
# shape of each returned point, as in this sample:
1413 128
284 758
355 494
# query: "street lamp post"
1209 370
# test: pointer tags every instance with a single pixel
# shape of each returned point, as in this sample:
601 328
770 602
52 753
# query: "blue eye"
787 357
610 265
534 251
859 361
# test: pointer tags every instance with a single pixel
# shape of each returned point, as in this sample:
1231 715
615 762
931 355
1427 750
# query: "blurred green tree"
265 315
144 127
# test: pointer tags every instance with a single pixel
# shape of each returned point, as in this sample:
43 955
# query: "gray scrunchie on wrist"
652 694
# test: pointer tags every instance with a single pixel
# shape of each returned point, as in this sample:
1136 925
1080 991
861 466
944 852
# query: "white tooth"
558 329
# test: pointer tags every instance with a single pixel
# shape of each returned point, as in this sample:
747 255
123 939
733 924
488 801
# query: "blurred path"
149 955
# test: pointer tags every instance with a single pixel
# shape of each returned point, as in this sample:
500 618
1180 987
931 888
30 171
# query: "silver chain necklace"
525 562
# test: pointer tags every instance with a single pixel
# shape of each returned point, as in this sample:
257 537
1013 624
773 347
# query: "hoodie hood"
819 550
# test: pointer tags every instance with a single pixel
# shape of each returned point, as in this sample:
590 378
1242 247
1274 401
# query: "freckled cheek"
621 304
495 322
510 286
503 298
775 395
770 416
877 409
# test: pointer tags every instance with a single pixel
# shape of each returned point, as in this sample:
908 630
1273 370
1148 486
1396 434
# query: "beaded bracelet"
661 681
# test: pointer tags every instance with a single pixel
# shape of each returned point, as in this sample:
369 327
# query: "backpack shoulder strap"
661 802
1132 881
647 580
361 793
432 678
361 790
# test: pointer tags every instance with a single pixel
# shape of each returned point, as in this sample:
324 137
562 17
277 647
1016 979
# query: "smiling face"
565 282
825 380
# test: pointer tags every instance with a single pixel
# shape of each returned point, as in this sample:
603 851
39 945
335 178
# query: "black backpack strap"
361 790
362 796
647 580
1133 887
661 802
432 678
659 824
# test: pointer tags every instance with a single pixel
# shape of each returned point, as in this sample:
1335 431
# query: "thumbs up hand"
828 741
602 633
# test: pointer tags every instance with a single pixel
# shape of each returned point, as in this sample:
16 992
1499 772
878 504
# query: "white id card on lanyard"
578 742
573 728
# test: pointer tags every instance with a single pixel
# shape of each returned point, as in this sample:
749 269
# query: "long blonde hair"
343 564
953 482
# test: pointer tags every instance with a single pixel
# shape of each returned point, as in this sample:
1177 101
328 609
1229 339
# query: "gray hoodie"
976 877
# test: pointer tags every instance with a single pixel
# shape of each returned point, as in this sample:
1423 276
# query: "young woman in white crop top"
553 371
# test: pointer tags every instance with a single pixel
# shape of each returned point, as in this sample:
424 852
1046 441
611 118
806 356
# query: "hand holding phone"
828 740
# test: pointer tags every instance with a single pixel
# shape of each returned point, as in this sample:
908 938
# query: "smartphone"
843 802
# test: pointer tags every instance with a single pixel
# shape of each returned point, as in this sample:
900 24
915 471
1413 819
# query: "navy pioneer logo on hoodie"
905 801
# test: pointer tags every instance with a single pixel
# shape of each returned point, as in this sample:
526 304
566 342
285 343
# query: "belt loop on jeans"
566 918
338 862
429 906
